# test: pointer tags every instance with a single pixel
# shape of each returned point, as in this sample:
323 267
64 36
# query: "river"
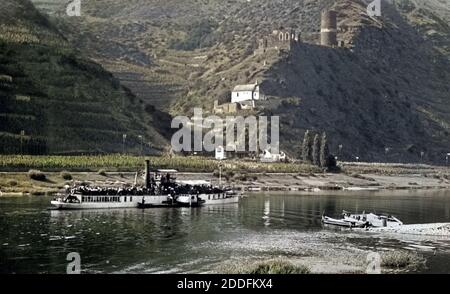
35 239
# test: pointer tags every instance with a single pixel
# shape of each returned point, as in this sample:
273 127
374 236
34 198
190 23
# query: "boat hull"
222 201
211 199
343 223
124 202
137 201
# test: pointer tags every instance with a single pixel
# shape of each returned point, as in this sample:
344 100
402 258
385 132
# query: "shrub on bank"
271 267
278 267
12 183
102 172
36 175
66 176
401 260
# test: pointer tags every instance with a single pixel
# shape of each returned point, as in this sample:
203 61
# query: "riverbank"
353 261
20 182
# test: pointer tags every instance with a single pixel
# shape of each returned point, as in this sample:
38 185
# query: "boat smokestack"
147 173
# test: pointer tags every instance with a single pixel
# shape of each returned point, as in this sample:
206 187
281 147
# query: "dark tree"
224 97
306 147
332 164
324 152
316 150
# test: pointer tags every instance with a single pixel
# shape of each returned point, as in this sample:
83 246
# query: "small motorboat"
143 205
363 220
169 202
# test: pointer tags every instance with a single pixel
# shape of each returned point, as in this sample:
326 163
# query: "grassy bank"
132 163
270 267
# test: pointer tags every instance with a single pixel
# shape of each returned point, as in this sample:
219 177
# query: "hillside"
390 93
382 97
54 100
136 41
431 19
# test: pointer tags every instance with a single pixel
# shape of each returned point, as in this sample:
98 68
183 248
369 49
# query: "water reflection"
266 216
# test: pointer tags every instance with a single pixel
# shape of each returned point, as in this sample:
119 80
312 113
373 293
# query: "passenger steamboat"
160 190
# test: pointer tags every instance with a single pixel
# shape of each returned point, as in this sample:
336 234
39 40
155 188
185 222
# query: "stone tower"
328 29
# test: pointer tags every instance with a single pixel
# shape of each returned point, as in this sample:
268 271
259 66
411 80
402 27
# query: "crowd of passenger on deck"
109 191
161 185
167 188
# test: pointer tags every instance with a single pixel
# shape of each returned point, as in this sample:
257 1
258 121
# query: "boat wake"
433 229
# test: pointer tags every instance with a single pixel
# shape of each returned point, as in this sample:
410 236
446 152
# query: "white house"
249 92
220 153
267 156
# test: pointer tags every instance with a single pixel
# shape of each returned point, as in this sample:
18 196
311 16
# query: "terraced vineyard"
53 100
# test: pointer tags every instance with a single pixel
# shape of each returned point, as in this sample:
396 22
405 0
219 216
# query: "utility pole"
22 134
386 151
142 143
124 138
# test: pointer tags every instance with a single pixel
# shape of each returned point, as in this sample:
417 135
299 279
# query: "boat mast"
220 174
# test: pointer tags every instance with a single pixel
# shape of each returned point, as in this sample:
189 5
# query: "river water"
35 239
